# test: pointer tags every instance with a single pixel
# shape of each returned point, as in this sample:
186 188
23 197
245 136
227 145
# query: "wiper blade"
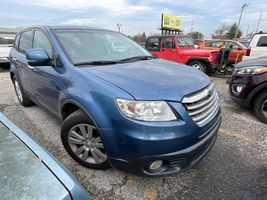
103 62
134 58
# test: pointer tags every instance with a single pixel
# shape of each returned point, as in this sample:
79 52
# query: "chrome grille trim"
202 105
199 95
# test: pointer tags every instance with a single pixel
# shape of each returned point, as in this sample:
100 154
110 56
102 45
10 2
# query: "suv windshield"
94 47
185 41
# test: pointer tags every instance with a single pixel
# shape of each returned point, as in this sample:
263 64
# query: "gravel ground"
236 167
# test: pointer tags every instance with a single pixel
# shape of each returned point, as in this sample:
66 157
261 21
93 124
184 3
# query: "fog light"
156 165
239 88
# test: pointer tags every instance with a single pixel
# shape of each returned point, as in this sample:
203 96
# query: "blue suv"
120 105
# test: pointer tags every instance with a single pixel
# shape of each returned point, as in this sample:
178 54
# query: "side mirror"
37 57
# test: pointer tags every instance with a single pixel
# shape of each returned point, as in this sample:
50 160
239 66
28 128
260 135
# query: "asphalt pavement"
236 167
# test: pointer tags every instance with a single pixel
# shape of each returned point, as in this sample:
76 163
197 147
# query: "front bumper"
4 60
174 162
251 84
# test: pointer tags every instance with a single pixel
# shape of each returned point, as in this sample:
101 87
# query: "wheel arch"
203 60
256 92
69 106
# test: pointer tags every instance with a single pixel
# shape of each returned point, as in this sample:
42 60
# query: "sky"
136 16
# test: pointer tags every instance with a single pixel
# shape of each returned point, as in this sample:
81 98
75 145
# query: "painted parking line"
237 135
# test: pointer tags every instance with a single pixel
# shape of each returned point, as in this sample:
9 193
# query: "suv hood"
262 61
152 80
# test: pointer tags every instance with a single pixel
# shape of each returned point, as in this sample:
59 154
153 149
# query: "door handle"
14 59
163 50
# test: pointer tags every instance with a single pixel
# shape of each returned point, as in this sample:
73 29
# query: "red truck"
181 49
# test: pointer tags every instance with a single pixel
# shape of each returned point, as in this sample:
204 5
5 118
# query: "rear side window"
262 41
231 45
216 44
167 43
25 41
153 44
208 44
40 41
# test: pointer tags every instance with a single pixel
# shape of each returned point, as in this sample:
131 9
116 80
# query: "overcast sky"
134 15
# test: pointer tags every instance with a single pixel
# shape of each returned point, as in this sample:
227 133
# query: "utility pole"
242 10
247 30
258 23
192 26
119 27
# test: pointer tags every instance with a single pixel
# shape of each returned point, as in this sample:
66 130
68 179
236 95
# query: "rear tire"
20 93
198 65
260 107
82 140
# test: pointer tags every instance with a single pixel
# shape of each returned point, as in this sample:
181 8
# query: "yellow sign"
171 22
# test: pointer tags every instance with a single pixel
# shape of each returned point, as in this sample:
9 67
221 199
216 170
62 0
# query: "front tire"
20 93
83 142
260 107
198 65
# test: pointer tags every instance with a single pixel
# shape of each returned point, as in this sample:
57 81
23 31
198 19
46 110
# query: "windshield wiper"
134 58
103 62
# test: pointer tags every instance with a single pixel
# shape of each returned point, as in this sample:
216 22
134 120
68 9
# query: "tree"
196 35
231 32
140 37
220 32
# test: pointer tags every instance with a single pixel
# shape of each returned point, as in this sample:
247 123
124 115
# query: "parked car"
5 47
245 42
124 108
181 49
248 86
236 54
257 46
29 172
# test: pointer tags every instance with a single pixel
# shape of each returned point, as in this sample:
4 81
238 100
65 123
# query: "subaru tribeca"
120 105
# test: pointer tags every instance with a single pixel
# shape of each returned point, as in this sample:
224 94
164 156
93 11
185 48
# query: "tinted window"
153 44
208 44
40 41
262 41
231 45
25 41
216 44
167 43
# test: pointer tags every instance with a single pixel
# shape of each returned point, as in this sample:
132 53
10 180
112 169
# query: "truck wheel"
22 97
198 65
83 142
260 107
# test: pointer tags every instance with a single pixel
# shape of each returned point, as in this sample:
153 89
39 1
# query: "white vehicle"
257 46
5 47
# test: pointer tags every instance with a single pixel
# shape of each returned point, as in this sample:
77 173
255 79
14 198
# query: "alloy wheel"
18 90
86 143
197 66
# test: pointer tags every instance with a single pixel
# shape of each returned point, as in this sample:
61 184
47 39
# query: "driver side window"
40 41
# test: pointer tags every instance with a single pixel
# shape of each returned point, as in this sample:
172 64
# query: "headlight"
251 70
146 110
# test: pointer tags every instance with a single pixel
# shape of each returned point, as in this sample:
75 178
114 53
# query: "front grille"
202 105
